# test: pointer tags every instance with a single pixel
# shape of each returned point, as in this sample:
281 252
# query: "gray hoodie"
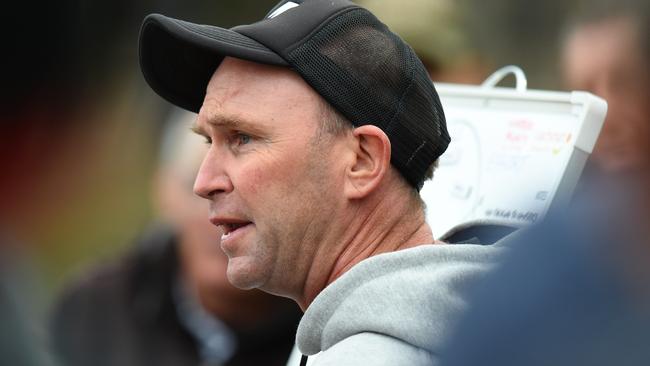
394 308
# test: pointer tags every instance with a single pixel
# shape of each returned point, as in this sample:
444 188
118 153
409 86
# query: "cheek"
265 192
267 176
251 182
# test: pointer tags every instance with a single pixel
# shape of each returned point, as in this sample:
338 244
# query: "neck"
384 224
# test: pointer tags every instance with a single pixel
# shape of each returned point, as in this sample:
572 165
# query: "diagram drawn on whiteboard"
513 154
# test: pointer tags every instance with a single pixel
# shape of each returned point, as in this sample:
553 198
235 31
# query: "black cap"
366 72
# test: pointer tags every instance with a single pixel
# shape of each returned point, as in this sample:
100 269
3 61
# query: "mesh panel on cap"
372 77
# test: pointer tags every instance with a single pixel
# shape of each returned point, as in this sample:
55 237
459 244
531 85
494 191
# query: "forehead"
246 91
594 50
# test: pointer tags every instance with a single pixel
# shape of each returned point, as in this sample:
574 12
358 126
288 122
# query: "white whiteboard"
512 156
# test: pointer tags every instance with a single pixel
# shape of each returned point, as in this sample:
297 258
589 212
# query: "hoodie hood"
413 295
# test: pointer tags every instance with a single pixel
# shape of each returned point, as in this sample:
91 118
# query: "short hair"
332 122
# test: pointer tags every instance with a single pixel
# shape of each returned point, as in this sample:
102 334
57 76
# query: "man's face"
267 174
605 59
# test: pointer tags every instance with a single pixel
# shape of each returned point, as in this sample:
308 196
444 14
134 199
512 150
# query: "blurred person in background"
168 301
606 51
573 291
434 28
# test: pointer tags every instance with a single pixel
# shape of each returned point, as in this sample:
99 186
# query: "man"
607 52
168 302
323 126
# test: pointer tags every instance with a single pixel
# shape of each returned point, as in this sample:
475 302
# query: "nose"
211 178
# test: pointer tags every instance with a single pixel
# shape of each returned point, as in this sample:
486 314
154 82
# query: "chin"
242 275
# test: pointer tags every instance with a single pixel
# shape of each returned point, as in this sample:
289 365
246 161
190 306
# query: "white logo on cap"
286 6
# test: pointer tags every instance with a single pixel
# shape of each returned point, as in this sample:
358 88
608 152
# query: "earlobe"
372 149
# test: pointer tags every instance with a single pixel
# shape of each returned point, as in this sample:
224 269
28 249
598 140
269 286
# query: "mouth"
230 227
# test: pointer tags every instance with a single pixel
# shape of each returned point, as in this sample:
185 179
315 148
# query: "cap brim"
178 58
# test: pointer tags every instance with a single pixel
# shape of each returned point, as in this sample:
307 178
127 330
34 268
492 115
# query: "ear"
371 163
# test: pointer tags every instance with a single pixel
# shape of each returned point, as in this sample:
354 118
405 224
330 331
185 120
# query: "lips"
229 229
229 226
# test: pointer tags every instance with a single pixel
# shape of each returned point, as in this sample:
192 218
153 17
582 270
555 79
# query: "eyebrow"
197 129
229 122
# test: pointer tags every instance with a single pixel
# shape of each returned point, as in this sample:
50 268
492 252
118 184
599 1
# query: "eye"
208 140
242 138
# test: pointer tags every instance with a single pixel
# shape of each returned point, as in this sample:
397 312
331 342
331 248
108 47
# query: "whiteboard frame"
590 111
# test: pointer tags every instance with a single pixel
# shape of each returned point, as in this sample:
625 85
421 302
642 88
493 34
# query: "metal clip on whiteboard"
520 78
